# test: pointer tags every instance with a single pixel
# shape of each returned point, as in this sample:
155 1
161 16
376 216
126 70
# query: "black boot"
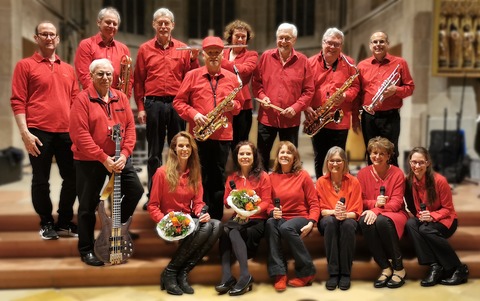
168 281
182 279
458 277
434 275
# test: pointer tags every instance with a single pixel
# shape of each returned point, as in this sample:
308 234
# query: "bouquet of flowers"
244 202
175 226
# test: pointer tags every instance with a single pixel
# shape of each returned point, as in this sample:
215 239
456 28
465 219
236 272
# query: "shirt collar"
99 41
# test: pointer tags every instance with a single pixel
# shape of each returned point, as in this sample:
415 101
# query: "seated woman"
429 198
341 204
243 237
177 186
292 220
384 218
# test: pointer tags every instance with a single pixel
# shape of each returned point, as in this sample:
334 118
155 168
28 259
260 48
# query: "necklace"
336 187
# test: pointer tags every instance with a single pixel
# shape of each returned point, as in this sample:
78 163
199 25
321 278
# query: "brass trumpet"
392 79
125 72
198 47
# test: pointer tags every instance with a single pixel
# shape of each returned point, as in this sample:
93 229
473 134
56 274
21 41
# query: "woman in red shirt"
341 204
292 219
242 235
177 186
384 218
429 198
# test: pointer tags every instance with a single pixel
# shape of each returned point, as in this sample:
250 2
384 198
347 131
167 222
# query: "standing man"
239 33
284 79
159 71
201 91
94 113
102 45
331 70
384 121
43 88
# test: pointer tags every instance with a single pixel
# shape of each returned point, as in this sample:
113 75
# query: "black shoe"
145 206
458 277
134 236
237 291
168 282
92 260
382 282
48 232
344 282
332 283
393 283
434 275
67 230
223 288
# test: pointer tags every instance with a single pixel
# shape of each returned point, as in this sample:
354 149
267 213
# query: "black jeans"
384 124
162 120
266 138
322 142
90 180
242 123
58 145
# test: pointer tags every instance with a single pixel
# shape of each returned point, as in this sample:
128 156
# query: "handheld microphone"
276 202
382 190
232 185
342 200
202 212
423 207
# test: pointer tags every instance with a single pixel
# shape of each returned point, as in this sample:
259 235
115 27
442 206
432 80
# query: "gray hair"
99 62
163 12
333 32
287 27
332 151
104 11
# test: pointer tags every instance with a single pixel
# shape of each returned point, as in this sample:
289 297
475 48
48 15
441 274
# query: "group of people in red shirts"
172 90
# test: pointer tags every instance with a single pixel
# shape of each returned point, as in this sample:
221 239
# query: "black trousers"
162 121
242 123
322 142
431 243
383 242
384 124
266 138
213 158
58 145
339 243
278 231
90 180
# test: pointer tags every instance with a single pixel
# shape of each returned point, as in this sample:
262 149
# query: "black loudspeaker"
11 165
447 149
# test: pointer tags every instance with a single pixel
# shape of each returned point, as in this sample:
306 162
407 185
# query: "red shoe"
299 282
280 283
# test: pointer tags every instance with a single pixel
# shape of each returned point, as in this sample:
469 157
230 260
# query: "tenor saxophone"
216 119
324 113
125 70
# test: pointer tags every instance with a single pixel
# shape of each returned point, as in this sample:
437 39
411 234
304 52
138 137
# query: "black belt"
165 99
384 113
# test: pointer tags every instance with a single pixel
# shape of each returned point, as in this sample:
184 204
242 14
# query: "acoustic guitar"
114 244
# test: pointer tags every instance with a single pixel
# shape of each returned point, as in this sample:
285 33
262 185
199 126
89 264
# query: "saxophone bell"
125 71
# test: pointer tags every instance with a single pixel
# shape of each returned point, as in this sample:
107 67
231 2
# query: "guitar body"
113 249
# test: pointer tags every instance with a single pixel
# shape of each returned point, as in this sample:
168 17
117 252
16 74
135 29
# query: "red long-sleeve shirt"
91 125
245 61
93 48
262 187
159 71
183 198
297 195
328 80
442 210
394 183
350 190
44 92
289 85
196 96
373 74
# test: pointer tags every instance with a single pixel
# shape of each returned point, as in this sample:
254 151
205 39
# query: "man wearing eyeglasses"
386 78
43 89
331 69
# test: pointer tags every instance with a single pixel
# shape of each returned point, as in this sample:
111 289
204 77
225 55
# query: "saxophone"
324 113
215 117
125 70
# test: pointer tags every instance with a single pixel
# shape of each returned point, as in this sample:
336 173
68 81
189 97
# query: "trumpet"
125 71
198 47
392 79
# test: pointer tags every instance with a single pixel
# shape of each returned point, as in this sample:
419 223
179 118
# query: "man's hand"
200 119
31 141
288 112
142 117
310 114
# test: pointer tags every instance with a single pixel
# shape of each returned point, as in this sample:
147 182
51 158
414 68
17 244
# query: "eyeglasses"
337 162
378 42
45 35
419 163
332 44
102 74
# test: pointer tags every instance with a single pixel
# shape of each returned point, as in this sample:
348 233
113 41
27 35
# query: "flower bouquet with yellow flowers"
244 202
175 226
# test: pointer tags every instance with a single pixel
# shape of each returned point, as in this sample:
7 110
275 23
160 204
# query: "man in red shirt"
102 45
282 78
331 69
374 71
201 91
159 71
43 88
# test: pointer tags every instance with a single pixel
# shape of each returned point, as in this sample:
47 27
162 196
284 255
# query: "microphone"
232 185
342 200
202 212
423 207
276 202
382 190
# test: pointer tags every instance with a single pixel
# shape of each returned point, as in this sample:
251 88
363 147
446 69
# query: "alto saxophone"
324 113
216 119
125 70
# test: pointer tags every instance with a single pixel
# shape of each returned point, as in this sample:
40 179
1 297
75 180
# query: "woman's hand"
340 211
306 229
370 217
277 213
381 200
425 216
204 218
